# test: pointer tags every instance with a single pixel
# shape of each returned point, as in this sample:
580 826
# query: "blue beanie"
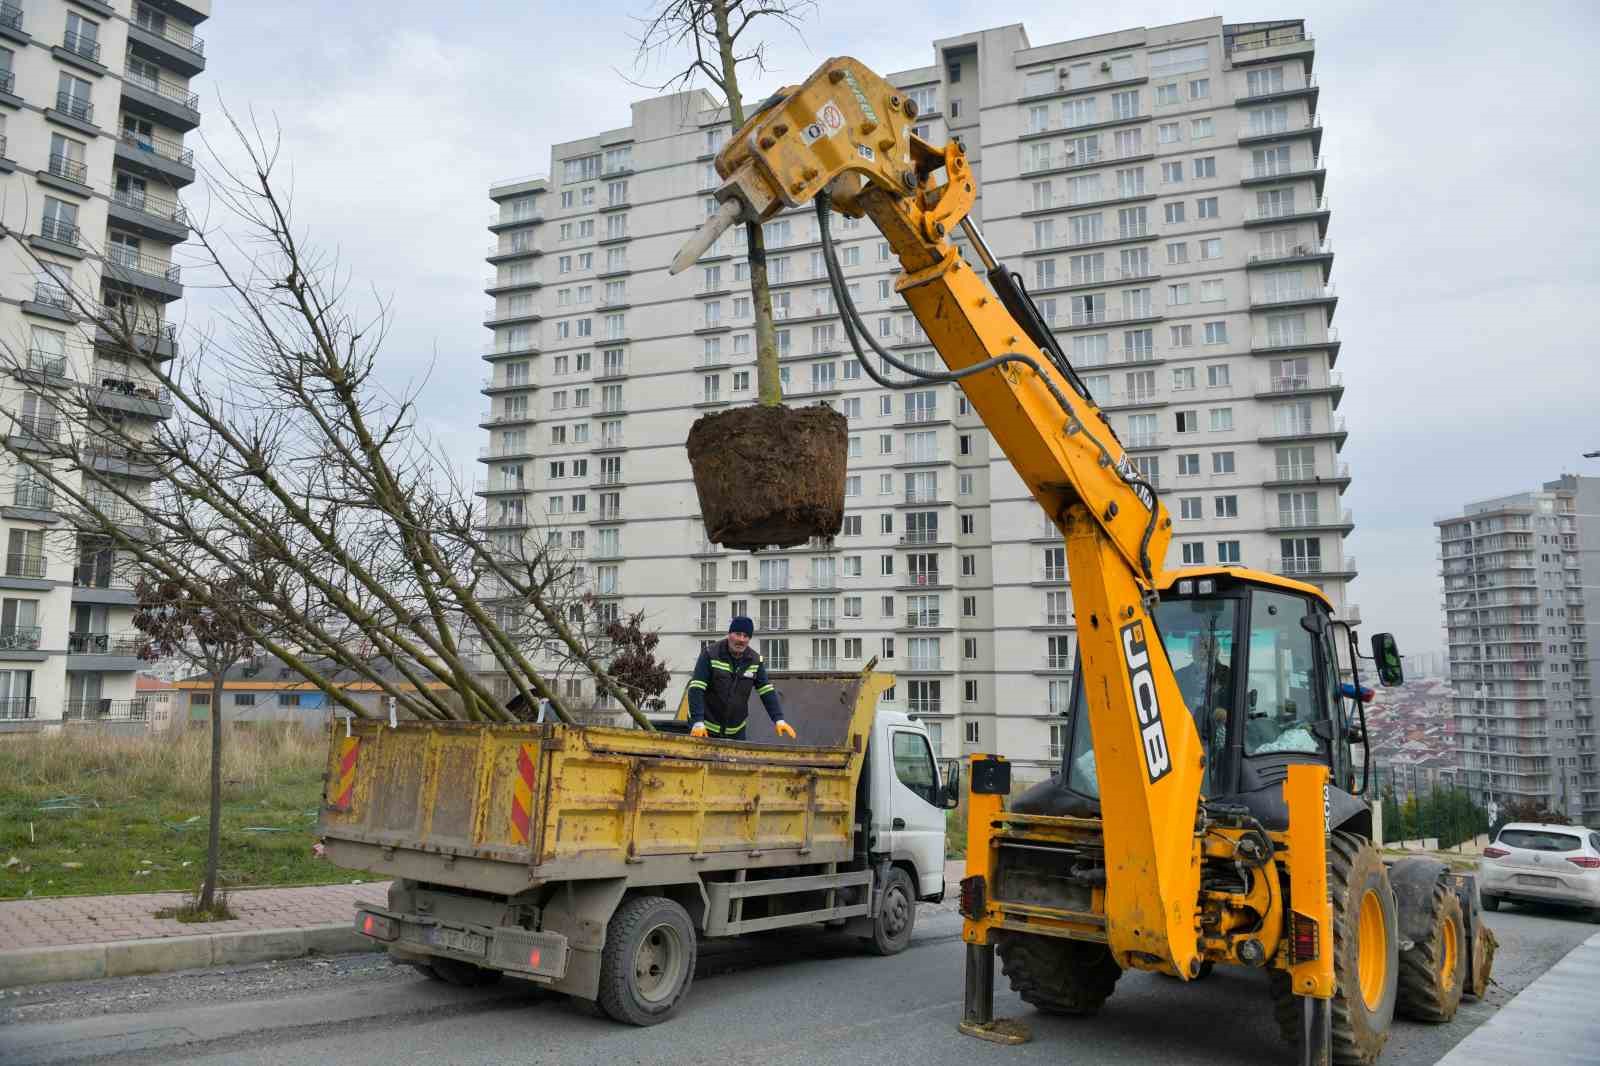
742 624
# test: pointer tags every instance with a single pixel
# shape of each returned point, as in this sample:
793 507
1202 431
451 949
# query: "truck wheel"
461 974
897 915
1058 976
1490 903
1434 972
648 961
1365 955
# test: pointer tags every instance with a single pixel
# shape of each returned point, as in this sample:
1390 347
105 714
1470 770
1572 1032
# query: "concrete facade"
95 102
1160 192
1521 577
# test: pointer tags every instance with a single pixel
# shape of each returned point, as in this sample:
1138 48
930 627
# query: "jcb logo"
1157 759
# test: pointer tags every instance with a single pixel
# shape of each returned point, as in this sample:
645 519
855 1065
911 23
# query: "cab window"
913 765
1282 701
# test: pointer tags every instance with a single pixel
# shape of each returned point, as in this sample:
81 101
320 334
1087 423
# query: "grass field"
112 814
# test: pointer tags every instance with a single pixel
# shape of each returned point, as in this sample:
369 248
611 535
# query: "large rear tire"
648 961
1365 956
1058 976
1433 973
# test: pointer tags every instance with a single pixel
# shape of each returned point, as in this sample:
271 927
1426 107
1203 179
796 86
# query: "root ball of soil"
770 476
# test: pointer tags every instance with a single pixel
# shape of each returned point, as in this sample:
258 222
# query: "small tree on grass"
205 631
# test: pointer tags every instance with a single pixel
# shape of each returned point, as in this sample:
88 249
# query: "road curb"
125 958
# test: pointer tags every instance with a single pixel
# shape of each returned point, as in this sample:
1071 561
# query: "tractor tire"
1364 996
648 961
897 915
461 974
1058 976
1433 973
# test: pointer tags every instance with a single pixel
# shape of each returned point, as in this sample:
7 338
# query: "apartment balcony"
1285 521
494 418
160 101
143 274
607 514
1317 209
511 316
495 486
106 457
1308 251
918 496
20 638
1282 388
1309 88
924 706
777 623
1083 160
1054 575
925 538
494 285
773 584
490 453
1321 295
1307 431
1266 174
1313 567
109 390
500 252
1057 663
1286 343
925 664
924 580
19 709
103 710
490 387
1262 132
1085 279
67 174
1132 441
149 216
43 368
62 233
1086 319
168 43
11 24
504 220
823 624
156 157
34 431
81 51
31 497
509 520
126 643
923 620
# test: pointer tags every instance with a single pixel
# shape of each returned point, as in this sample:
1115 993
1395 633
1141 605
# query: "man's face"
738 642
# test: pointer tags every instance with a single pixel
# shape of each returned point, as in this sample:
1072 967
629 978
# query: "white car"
1529 862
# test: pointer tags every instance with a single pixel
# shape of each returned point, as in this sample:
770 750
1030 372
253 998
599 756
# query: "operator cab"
1257 660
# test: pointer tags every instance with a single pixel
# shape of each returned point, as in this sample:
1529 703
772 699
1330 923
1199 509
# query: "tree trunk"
208 887
769 390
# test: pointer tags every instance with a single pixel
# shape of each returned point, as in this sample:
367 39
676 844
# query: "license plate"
1537 879
469 943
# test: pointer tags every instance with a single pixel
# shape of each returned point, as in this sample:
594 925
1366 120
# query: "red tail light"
376 926
1304 947
1586 861
1494 853
972 901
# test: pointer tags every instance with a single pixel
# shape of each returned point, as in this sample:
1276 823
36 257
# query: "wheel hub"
657 963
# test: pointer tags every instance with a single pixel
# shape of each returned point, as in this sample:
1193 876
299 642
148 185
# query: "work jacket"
719 691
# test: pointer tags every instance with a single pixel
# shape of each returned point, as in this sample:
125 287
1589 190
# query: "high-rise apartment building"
1521 579
95 100
1161 193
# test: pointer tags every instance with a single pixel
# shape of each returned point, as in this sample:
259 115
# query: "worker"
1207 687
719 691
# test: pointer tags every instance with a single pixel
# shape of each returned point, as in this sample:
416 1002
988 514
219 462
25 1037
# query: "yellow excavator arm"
844 137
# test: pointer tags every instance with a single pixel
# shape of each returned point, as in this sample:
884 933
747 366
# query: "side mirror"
950 796
1386 653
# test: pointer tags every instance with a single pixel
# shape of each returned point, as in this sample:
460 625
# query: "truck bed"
503 808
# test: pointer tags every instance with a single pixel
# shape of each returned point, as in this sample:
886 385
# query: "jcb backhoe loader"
1209 810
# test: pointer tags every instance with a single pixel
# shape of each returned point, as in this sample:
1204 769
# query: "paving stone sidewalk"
40 923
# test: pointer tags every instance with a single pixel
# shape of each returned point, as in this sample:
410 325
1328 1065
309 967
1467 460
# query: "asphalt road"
810 999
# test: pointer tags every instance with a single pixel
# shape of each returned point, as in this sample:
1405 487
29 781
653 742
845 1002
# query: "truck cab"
906 798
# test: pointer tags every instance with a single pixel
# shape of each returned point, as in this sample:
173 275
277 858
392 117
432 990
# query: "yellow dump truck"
592 860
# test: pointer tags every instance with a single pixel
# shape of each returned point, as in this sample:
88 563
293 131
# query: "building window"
1226 506
1193 554
1227 551
970 733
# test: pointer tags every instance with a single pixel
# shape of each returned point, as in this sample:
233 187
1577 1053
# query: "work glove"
699 730
784 729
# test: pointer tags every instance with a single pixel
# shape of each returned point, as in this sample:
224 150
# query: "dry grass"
176 765
92 814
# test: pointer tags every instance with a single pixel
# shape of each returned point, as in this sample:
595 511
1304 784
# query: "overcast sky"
1462 184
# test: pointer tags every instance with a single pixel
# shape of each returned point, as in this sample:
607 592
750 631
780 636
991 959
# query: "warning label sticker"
866 153
829 121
